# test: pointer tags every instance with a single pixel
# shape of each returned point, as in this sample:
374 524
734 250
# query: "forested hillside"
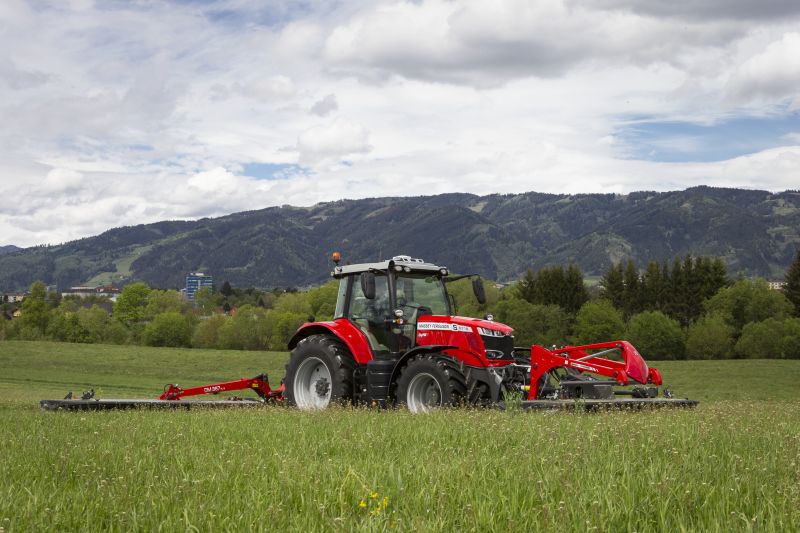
498 236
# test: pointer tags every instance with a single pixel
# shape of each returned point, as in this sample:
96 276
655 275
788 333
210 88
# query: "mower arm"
633 366
260 384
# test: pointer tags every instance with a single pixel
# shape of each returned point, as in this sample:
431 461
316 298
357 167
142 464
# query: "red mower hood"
635 366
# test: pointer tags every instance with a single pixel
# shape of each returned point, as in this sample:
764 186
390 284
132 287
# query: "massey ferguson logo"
443 326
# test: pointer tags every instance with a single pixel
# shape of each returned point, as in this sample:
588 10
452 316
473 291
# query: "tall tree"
554 286
719 277
131 303
695 272
631 297
652 287
792 289
576 292
550 284
612 285
226 289
526 288
676 302
35 311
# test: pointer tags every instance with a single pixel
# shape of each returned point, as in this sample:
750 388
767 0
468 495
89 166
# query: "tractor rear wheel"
319 373
431 381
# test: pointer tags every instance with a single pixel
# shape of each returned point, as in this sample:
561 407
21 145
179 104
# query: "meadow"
732 464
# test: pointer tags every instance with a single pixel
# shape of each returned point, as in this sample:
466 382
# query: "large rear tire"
429 382
319 373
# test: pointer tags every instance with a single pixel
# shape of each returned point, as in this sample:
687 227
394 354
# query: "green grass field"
731 464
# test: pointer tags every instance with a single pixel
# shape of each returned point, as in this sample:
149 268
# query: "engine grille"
499 347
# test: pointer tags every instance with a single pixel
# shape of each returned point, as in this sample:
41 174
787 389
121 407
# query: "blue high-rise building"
194 281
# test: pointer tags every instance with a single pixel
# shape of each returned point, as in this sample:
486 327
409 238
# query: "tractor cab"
385 300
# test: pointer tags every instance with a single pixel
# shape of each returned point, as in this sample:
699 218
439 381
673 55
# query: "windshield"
415 292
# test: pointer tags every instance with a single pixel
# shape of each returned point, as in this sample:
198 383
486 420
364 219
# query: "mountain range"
8 249
498 236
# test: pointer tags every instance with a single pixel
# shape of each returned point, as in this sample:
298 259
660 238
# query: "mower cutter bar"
608 405
172 397
99 405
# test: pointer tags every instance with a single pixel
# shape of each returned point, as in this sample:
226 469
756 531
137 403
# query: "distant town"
101 293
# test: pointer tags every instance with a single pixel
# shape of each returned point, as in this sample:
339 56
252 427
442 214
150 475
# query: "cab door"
372 315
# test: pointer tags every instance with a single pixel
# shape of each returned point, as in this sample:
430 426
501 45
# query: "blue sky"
133 112
271 171
677 141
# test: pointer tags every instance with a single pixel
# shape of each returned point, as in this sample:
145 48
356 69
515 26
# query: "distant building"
776 285
109 291
13 298
196 280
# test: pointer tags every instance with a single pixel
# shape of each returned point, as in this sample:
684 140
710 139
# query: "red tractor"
394 340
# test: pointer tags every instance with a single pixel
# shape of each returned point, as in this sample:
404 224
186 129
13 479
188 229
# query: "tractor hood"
463 324
480 342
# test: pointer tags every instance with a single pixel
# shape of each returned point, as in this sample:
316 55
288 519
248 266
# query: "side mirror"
478 290
368 285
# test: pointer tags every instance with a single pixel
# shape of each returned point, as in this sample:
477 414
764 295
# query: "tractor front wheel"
319 372
430 381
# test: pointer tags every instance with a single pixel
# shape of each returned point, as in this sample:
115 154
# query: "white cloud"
125 113
330 143
485 43
217 180
266 89
793 137
60 180
771 74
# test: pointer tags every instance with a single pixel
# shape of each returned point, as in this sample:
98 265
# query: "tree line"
246 319
688 308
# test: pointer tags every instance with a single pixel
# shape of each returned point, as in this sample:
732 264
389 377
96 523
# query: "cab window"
420 295
371 315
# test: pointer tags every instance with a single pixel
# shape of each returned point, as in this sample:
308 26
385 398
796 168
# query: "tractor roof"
400 262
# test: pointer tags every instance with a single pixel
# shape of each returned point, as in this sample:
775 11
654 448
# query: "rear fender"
343 330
